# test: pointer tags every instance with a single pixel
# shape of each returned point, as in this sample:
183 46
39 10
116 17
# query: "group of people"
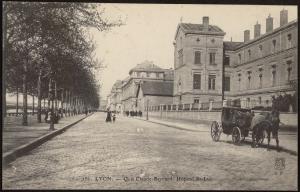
111 116
134 113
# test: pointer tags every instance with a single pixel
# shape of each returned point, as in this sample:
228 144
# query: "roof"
157 88
290 24
199 28
231 46
146 66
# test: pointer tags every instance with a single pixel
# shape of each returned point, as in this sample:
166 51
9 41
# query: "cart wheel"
236 135
215 131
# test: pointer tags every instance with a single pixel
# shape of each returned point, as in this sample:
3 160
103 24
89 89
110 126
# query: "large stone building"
116 96
254 70
143 72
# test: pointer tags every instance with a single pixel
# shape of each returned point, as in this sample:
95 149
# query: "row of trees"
48 53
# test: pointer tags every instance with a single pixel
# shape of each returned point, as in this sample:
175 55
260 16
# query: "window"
157 75
211 82
289 70
138 74
227 61
240 58
197 57
273 49
197 81
180 57
212 58
289 41
227 83
249 55
196 100
259 100
273 78
260 80
249 79
148 74
248 102
249 82
239 79
260 50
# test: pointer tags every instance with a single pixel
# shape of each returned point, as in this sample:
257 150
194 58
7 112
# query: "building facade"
146 71
154 93
254 70
198 52
262 67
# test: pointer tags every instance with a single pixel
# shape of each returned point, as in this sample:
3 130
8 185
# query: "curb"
292 152
23 149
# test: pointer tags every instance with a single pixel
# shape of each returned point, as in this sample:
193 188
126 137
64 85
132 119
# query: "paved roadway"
134 154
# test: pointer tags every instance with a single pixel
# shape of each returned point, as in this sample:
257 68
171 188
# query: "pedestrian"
86 112
114 117
108 116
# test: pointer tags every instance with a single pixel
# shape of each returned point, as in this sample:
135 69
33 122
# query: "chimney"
205 22
269 24
246 35
283 17
256 30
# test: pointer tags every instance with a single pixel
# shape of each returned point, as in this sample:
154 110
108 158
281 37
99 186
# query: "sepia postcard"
125 96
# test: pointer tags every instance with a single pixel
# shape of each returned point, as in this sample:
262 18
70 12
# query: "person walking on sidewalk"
108 116
114 117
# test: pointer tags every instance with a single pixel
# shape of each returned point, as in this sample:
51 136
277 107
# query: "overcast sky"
150 30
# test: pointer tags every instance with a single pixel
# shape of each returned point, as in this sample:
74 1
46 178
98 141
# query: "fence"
213 105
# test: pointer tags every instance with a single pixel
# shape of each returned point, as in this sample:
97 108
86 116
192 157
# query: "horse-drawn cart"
239 122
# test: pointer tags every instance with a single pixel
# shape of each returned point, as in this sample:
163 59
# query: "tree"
48 41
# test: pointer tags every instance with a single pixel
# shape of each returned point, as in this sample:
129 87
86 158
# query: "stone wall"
290 119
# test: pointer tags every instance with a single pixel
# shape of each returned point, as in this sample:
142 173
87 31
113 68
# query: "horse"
265 122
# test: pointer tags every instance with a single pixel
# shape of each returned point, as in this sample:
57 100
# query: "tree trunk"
55 96
62 102
44 103
17 110
32 104
39 96
49 93
25 120
4 59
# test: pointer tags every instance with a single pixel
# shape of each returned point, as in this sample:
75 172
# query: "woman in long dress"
108 117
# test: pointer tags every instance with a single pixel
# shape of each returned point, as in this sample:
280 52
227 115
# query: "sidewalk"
17 137
288 140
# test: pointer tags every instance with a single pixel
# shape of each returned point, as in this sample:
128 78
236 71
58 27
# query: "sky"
149 32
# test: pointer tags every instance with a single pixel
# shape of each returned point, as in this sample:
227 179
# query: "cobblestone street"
134 154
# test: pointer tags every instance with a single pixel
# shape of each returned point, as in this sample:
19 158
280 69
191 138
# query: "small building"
154 93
